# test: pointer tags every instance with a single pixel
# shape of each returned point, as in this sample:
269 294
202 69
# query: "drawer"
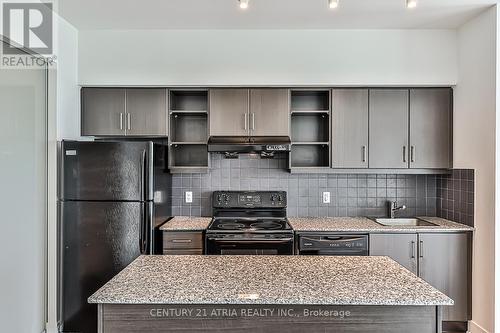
182 240
183 251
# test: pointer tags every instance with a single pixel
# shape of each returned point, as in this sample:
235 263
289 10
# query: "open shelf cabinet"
188 131
185 101
310 101
310 129
310 155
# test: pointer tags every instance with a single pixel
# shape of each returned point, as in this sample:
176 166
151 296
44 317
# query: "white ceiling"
268 14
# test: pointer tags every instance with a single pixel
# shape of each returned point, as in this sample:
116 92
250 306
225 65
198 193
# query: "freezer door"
106 171
98 240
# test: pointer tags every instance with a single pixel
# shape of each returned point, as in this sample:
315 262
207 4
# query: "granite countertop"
298 280
186 223
364 224
334 224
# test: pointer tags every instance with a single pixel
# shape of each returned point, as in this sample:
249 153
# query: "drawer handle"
412 249
182 240
421 249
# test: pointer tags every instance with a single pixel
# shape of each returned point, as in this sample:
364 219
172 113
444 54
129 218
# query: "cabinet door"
430 128
146 112
444 263
103 111
400 247
269 112
350 128
229 112
182 240
388 128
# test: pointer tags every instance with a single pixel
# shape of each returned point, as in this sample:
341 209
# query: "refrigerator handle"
142 228
146 226
143 176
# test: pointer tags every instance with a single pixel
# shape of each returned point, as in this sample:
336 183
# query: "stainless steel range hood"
244 144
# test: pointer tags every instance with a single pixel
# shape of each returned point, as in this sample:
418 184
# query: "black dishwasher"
333 244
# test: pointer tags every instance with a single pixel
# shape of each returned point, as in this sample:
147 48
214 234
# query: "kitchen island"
268 294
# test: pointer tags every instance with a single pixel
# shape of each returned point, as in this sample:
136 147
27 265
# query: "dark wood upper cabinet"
124 112
229 112
350 128
388 128
249 112
340 128
269 111
430 128
103 112
147 112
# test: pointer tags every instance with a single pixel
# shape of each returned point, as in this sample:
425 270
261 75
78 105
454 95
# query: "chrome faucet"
393 208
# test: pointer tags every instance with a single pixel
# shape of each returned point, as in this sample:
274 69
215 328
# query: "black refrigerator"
112 196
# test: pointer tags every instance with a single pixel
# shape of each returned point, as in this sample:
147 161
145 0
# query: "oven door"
250 245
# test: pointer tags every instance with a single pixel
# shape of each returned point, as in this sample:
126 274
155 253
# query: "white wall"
68 93
268 57
474 147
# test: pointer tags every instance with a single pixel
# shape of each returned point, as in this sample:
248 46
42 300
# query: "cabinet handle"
421 249
181 240
404 154
412 253
253 121
245 116
128 121
121 121
364 154
412 154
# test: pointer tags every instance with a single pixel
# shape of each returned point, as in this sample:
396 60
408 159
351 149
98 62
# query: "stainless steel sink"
403 222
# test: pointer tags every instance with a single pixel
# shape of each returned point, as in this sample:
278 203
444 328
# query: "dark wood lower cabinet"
155 318
182 242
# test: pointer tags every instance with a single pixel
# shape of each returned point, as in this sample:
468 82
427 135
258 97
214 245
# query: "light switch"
326 197
189 197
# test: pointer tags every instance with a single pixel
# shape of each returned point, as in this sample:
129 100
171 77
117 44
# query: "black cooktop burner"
231 226
237 224
266 225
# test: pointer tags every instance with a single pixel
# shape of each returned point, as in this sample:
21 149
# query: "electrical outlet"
158 197
326 197
189 197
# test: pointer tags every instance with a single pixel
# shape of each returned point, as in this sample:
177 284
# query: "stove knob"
223 198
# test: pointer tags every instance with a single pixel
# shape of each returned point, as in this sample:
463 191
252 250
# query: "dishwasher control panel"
333 244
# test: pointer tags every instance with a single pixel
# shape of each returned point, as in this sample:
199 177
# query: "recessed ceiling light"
333 4
243 4
411 3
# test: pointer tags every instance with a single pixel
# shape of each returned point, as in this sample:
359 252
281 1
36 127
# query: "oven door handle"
281 240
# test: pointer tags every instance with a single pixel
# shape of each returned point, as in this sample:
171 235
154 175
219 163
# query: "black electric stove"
249 222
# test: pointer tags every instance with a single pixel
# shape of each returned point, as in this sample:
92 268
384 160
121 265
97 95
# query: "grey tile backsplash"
350 194
455 196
